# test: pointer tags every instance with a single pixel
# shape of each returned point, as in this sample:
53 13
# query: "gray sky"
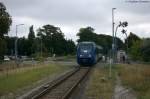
70 15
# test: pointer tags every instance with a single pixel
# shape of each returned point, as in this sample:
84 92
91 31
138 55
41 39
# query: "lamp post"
16 47
112 60
113 40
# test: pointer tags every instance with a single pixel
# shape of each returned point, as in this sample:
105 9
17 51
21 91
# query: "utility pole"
111 60
113 39
16 47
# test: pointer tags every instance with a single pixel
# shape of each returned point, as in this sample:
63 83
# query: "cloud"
70 15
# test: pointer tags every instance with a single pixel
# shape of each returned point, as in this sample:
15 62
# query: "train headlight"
81 55
90 55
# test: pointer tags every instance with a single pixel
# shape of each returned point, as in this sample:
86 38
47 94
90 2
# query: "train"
88 53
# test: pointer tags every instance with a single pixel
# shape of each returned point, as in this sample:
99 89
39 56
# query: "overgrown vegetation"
139 49
100 85
13 80
137 77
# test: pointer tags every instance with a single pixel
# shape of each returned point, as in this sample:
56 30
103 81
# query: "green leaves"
31 34
5 20
146 50
135 50
139 49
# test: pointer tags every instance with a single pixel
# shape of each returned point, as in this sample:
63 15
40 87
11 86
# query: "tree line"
48 41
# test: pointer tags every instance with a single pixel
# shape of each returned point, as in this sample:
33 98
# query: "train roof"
86 42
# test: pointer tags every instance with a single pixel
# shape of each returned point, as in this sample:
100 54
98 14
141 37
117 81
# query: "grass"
12 80
137 77
100 85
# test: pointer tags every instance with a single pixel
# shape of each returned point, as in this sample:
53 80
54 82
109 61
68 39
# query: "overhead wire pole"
113 46
113 39
16 47
16 52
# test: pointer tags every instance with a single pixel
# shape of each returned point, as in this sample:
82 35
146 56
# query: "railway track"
63 87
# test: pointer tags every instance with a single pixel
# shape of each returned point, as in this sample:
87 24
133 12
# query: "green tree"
135 50
23 46
31 41
2 49
31 35
86 34
145 50
132 38
5 22
134 46
52 38
70 47
10 45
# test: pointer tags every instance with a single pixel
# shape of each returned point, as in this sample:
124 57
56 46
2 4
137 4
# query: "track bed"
63 87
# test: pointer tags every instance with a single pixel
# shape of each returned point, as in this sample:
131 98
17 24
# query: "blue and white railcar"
88 53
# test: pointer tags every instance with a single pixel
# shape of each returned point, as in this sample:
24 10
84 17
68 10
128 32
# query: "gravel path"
121 92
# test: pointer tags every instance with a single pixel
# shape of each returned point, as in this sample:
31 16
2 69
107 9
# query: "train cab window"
85 48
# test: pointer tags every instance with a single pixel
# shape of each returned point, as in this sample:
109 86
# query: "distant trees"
145 50
139 49
49 40
131 39
31 35
24 47
86 34
31 41
135 50
70 47
5 22
134 45
10 45
53 40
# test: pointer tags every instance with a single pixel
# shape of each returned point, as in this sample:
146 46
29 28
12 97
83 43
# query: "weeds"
136 77
100 85
19 78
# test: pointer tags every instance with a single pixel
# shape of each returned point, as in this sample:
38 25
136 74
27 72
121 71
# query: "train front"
85 54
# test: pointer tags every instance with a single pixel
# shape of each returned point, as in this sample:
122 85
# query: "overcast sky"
70 15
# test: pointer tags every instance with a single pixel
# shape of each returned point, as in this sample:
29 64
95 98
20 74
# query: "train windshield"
85 47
